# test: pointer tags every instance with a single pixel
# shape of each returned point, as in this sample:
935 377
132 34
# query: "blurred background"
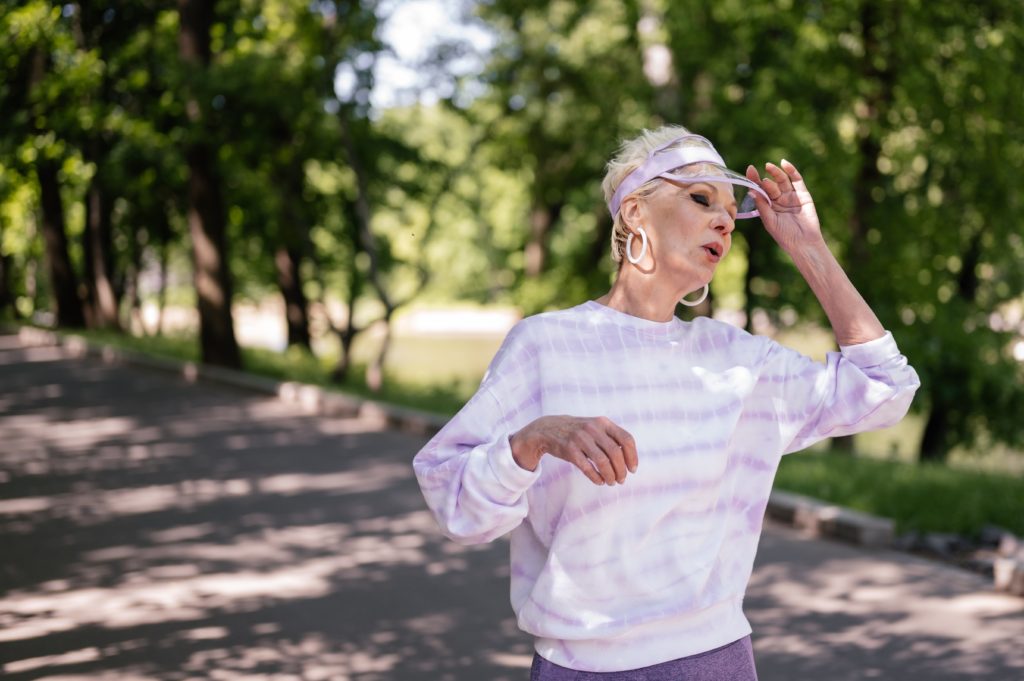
369 194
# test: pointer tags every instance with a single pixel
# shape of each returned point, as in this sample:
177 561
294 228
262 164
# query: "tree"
43 73
549 80
904 114
212 272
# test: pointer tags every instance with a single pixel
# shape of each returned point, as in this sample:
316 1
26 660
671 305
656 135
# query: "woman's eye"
701 199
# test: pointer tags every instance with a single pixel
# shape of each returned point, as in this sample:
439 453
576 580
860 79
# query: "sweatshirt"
618 577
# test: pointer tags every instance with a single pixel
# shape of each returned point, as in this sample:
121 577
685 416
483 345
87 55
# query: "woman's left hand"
790 218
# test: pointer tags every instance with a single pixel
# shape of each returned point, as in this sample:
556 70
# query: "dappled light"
200 532
214 216
841 605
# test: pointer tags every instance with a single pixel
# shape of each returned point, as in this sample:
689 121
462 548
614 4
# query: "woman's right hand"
595 445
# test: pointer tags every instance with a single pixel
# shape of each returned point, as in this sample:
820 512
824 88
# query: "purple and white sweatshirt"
616 577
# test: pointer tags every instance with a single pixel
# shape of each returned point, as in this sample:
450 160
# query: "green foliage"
926 497
905 119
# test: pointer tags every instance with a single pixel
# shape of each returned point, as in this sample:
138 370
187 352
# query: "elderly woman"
630 453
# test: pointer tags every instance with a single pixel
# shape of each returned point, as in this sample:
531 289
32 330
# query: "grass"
925 497
443 397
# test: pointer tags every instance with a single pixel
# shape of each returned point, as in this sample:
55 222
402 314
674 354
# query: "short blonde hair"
630 156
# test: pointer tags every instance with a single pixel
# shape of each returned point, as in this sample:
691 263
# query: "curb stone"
1008 565
829 520
1009 575
821 518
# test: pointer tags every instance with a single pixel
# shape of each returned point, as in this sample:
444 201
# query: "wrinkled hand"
791 218
595 445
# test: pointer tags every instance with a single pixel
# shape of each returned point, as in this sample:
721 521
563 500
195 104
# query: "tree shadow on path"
155 529
161 530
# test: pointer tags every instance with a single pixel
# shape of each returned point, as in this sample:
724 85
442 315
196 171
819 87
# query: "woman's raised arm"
792 221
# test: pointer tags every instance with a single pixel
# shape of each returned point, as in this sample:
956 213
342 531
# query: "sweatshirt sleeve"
466 472
862 387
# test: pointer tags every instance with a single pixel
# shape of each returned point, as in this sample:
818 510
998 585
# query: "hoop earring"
643 246
700 300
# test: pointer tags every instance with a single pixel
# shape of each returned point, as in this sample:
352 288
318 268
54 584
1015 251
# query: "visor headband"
659 162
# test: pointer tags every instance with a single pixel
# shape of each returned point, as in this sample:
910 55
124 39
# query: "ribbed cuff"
872 353
511 475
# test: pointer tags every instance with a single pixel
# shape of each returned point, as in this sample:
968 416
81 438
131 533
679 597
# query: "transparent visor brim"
743 189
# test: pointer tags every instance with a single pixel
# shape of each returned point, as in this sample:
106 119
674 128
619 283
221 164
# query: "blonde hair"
630 156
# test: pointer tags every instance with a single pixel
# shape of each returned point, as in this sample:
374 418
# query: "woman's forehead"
724 191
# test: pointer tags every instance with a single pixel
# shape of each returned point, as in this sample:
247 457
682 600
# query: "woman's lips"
710 251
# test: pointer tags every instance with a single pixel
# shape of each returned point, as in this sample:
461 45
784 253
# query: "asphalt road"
155 529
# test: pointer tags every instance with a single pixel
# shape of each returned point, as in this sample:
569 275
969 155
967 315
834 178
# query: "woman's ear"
632 211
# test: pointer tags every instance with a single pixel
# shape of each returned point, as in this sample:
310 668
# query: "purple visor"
687 159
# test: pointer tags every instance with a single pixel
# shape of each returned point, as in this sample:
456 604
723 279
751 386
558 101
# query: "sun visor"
688 159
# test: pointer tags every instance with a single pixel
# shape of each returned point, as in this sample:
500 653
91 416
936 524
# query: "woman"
631 454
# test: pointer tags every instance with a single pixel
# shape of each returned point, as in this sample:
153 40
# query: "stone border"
311 399
814 515
829 520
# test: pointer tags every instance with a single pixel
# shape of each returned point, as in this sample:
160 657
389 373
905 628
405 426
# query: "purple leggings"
731 662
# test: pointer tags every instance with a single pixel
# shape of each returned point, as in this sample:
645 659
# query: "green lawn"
924 497
445 394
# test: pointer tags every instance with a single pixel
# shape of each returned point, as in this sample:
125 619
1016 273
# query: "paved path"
152 529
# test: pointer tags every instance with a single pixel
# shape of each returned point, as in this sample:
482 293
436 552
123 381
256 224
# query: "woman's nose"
725 224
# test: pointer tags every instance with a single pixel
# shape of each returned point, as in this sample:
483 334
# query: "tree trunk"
162 293
210 262
759 247
542 218
364 235
292 244
6 292
160 229
935 441
98 259
131 284
63 282
348 334
6 296
375 372
66 297
32 283
287 261
868 176
206 210
938 430
101 296
843 444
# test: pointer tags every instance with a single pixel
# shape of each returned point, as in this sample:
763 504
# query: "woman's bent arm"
468 476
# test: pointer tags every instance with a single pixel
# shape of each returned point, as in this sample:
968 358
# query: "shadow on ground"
826 610
153 529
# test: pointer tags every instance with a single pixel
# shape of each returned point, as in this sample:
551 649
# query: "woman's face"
690 227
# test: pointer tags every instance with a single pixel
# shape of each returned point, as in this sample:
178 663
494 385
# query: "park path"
155 529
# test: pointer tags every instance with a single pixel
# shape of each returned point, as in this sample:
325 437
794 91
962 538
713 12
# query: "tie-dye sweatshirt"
615 577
